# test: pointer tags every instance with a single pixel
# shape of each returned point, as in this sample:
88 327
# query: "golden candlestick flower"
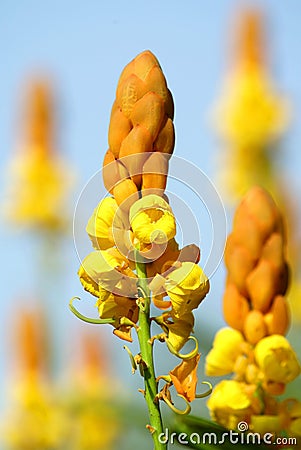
254 349
137 262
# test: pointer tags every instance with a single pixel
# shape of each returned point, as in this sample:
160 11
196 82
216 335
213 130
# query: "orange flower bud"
110 172
126 194
235 307
119 128
255 327
165 141
239 263
247 233
149 112
136 146
277 319
261 284
154 174
131 90
262 208
143 64
273 250
156 82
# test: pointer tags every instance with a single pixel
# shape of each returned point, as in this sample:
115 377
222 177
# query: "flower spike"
85 318
176 410
208 392
189 355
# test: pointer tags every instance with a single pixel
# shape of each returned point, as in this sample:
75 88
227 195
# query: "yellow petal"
226 349
100 224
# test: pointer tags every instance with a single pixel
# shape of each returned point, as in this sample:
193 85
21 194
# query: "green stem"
146 350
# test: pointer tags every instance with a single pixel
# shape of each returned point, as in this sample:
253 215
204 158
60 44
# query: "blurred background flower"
83 48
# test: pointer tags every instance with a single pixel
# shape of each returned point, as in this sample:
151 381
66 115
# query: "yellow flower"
184 377
277 360
229 403
186 286
226 349
107 270
152 220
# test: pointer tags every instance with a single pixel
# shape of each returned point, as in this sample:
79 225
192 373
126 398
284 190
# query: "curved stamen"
85 318
205 394
132 359
176 410
189 355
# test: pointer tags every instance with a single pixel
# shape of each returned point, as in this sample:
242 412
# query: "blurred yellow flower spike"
277 360
36 420
226 349
249 92
152 220
255 258
38 180
31 343
184 378
254 350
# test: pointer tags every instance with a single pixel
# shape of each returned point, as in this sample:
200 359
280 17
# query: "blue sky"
83 46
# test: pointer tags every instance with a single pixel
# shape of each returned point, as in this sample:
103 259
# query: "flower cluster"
133 231
254 348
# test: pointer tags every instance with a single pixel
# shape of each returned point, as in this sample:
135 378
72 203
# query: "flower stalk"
146 349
